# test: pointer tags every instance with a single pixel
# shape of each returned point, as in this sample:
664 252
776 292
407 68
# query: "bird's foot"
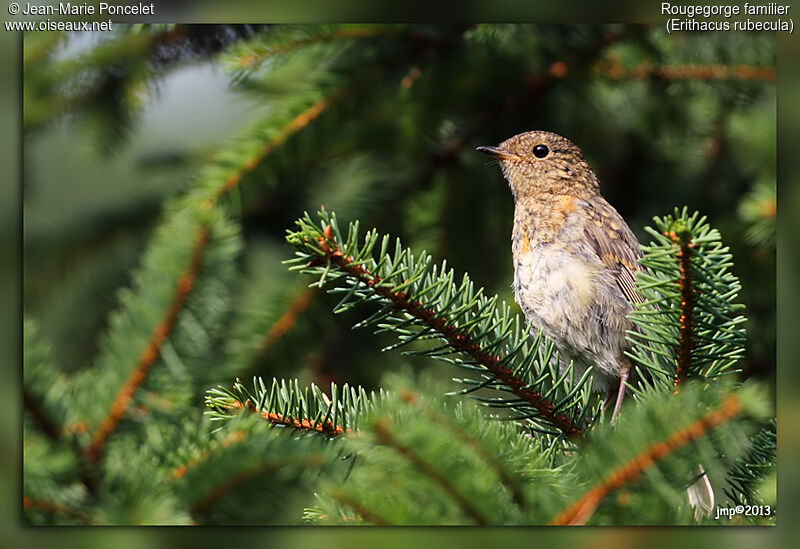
624 370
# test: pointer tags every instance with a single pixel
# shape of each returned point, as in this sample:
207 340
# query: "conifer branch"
491 460
45 424
231 484
149 355
296 124
322 250
289 317
753 467
612 68
367 514
285 404
55 508
696 330
687 307
384 434
246 56
303 424
580 511
234 438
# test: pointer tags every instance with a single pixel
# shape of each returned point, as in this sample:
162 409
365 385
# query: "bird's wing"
616 246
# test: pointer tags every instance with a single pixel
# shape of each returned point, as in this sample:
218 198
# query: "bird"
575 258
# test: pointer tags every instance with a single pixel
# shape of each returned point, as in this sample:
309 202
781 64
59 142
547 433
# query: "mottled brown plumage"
575 258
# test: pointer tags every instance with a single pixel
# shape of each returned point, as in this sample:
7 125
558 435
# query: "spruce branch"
245 57
429 455
383 430
275 137
366 514
243 478
457 430
247 471
687 307
150 353
689 325
582 509
420 301
285 404
753 467
536 84
649 455
42 380
232 438
288 318
32 504
611 67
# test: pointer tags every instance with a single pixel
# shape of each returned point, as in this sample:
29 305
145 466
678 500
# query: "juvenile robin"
575 258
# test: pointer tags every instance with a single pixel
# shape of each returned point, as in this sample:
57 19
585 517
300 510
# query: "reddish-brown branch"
459 341
55 508
383 431
231 484
233 438
237 480
473 443
612 68
287 319
251 59
293 126
150 353
581 510
326 428
686 329
359 508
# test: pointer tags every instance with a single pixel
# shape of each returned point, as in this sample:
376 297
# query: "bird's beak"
497 152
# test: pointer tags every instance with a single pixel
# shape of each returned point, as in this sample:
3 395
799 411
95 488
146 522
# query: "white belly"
577 304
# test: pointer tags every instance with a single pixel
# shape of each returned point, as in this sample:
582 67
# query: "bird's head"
543 162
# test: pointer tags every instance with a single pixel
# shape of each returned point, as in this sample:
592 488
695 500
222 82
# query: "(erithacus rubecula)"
575 258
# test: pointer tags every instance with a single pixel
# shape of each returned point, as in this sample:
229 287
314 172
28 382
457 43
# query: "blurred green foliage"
687 119
378 122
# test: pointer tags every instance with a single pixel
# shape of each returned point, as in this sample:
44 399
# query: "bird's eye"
540 151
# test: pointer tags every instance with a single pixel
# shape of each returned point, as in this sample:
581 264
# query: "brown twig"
288 319
327 428
687 309
580 511
383 431
612 68
459 341
231 484
360 508
233 438
150 353
185 283
293 126
251 59
489 458
237 480
55 508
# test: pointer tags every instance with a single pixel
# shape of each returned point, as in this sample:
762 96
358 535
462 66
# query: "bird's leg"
624 370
